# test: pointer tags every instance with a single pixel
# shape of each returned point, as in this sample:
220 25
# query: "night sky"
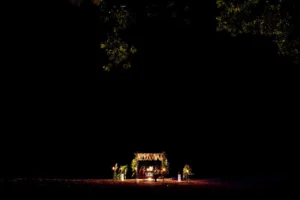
217 137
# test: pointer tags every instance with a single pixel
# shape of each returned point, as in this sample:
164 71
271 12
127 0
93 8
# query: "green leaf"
106 68
133 50
127 66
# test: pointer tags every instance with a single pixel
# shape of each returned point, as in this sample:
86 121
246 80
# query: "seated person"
156 174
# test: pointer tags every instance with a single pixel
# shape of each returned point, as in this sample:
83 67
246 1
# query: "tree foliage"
116 18
277 19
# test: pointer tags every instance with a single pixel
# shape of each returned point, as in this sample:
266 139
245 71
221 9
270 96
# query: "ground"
211 187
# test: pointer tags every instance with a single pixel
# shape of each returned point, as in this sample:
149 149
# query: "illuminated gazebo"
144 164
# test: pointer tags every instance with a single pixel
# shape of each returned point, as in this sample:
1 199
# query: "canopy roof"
150 156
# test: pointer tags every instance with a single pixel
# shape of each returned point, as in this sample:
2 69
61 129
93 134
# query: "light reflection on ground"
135 182
210 183
211 186
143 181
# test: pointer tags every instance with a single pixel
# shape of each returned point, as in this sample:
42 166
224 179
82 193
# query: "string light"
151 157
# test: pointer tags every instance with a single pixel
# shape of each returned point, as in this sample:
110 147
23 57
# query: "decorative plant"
133 167
186 172
165 165
123 170
115 168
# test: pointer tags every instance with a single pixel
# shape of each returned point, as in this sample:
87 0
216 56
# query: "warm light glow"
187 171
150 156
150 179
149 168
164 169
113 168
179 177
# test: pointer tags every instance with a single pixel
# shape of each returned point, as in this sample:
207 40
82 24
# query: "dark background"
226 136
218 138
